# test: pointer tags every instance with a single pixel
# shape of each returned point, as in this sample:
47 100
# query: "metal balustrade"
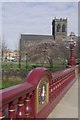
22 101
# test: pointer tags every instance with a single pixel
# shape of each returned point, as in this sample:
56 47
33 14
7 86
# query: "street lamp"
19 59
26 60
72 44
9 57
43 55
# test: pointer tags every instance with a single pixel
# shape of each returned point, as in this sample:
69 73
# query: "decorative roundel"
42 92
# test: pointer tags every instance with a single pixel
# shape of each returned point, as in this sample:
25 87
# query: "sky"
35 18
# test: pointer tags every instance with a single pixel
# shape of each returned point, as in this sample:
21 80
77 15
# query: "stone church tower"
59 28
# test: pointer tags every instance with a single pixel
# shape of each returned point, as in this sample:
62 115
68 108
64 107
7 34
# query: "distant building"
10 55
59 32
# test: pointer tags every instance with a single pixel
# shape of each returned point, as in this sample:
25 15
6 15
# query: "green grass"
9 65
11 81
9 84
13 66
0 84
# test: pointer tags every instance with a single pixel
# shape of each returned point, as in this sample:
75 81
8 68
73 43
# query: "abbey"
59 32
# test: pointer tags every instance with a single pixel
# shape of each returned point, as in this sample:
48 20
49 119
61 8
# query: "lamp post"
44 56
9 57
19 59
72 44
26 60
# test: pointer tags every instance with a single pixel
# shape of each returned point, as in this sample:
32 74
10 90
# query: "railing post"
28 109
59 86
51 90
21 110
12 111
54 88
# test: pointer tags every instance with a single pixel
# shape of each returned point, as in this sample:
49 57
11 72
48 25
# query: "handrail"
15 92
61 74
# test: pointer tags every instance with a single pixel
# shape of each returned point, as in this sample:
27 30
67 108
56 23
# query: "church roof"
33 37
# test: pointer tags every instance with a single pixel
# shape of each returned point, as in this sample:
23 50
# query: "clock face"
42 92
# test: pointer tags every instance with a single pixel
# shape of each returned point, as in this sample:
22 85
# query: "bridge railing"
60 81
24 100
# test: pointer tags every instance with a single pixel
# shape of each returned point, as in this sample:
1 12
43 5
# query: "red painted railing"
20 101
15 96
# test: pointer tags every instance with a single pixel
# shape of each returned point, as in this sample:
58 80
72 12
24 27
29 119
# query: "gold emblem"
42 94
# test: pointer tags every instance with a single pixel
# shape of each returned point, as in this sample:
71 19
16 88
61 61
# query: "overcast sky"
35 18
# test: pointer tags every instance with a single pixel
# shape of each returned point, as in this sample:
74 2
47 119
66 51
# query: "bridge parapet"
37 96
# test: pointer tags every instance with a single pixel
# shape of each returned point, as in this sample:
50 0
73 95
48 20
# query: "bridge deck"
68 106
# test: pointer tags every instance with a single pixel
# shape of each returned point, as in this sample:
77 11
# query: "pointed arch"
58 27
63 28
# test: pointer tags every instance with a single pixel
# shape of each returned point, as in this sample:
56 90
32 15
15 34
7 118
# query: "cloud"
35 18
40 1
0 19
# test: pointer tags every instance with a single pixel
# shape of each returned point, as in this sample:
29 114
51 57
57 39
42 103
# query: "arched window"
58 28
63 28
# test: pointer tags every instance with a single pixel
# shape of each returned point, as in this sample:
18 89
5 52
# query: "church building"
59 32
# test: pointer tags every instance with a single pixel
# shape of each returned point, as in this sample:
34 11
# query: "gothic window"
58 28
63 28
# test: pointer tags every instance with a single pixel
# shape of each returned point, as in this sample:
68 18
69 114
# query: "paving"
68 106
